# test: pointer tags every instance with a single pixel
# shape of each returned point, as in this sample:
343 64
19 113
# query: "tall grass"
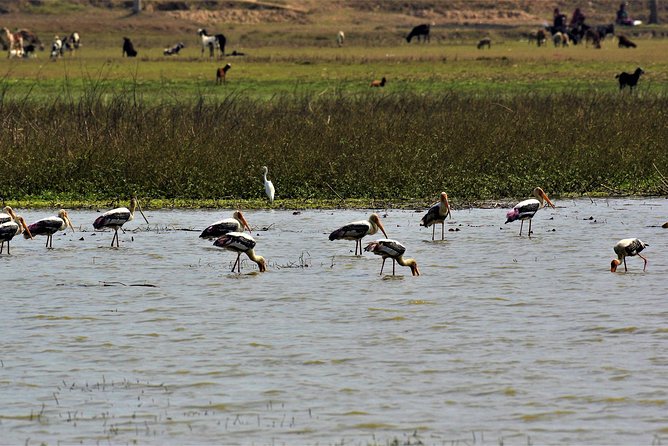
387 146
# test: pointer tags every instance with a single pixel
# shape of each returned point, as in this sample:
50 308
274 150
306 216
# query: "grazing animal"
268 185
240 242
560 38
221 73
71 42
235 224
211 42
30 38
604 30
625 42
340 37
539 37
49 226
116 218
29 50
593 36
420 31
628 247
56 47
11 229
485 42
525 210
236 53
173 50
395 251
437 213
128 48
379 83
14 43
629 79
357 230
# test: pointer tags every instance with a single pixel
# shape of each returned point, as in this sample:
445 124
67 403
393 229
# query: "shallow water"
501 339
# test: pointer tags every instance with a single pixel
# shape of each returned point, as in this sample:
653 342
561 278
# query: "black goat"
624 42
419 31
604 30
128 48
485 42
629 79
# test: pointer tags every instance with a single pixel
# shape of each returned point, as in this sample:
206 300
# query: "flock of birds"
229 233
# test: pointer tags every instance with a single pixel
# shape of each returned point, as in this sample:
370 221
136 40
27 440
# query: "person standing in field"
559 21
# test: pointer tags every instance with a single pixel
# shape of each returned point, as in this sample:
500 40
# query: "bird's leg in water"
529 228
382 266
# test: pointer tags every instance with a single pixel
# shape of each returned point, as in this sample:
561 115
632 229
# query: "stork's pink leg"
644 260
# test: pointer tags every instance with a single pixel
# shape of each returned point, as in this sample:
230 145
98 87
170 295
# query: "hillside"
166 15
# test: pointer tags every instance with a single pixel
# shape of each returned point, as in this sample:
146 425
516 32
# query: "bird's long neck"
411 263
133 206
264 175
255 258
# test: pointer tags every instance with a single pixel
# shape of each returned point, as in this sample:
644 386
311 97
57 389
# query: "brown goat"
379 83
624 42
221 73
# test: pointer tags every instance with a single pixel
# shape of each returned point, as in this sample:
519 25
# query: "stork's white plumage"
437 213
395 251
268 185
50 225
116 218
525 210
241 242
357 230
11 229
235 224
628 247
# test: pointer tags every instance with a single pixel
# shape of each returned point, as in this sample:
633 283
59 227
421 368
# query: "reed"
392 146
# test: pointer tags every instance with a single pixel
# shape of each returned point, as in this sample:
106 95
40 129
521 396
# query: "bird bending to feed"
116 218
394 250
235 224
357 230
525 210
268 185
437 213
241 242
49 226
12 228
628 247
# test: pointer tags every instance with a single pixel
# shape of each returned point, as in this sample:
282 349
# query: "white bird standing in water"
437 214
525 210
357 230
394 250
116 218
49 226
268 185
628 247
241 242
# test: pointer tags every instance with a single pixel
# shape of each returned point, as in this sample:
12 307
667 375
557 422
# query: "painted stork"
116 218
241 242
357 230
525 210
437 213
235 224
51 225
394 250
7 214
268 185
628 247
11 229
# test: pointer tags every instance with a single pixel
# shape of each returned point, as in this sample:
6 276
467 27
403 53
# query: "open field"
481 124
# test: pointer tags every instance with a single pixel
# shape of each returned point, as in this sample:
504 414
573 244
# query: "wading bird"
268 185
7 214
235 224
525 210
240 242
116 218
49 226
395 251
437 214
357 230
628 247
11 229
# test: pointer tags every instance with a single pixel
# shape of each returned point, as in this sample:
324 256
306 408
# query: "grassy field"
480 124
